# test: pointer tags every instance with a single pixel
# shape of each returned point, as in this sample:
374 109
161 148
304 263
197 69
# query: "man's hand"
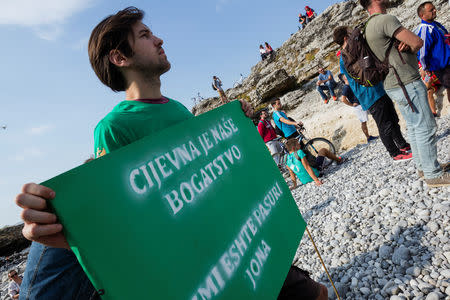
299 124
402 47
318 182
246 108
40 225
319 82
355 104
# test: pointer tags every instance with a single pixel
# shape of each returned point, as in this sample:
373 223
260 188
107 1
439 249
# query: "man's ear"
117 58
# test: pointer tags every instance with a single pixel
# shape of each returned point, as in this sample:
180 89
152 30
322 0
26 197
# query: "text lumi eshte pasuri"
231 259
152 174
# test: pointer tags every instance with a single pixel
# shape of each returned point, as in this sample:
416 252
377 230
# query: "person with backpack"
434 55
217 86
404 85
269 136
310 13
375 100
299 166
268 48
302 20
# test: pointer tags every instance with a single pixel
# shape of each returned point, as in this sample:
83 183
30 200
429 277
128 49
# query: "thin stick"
323 264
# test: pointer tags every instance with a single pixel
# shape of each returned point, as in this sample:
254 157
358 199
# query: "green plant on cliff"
311 54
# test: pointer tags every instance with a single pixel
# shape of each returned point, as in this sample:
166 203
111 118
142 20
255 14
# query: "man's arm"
345 100
310 171
261 129
408 38
293 178
289 122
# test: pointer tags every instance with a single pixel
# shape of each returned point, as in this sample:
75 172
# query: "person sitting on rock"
269 49
262 51
310 14
269 136
350 99
326 82
297 163
302 20
14 285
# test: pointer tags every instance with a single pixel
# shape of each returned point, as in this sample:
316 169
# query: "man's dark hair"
422 7
273 101
292 145
339 34
112 34
365 3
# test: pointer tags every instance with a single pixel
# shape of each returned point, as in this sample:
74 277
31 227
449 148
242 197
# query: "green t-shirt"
297 167
130 121
379 31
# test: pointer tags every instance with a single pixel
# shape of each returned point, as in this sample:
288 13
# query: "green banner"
196 211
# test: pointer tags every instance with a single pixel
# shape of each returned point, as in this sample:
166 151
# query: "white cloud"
220 4
40 129
31 152
45 17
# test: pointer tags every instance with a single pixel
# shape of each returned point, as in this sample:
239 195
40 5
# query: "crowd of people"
135 64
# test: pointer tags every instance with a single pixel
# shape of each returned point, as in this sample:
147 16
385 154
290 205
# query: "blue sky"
51 99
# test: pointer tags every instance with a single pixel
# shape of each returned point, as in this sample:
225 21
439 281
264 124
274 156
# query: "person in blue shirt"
283 122
297 163
434 56
380 106
326 82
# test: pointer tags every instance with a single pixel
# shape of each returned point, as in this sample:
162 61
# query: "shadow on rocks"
390 269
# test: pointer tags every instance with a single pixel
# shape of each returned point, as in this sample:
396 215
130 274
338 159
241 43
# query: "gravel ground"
382 233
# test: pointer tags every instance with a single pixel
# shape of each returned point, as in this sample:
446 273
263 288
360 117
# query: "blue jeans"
329 85
54 273
421 127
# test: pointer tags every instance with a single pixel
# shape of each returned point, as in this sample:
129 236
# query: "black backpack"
364 66
213 87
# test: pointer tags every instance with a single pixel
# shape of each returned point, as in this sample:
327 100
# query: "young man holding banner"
126 56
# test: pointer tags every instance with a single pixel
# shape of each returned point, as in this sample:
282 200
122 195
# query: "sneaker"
334 98
406 149
371 138
325 101
445 168
443 180
402 157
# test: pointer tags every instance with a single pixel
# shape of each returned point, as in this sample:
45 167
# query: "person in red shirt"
269 136
269 49
310 14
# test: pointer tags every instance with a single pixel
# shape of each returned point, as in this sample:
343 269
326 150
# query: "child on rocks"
298 164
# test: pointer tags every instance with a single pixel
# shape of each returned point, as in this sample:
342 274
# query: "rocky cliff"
291 73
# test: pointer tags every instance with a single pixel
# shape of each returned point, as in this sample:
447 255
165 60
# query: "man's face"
321 71
13 275
263 115
429 12
149 55
277 104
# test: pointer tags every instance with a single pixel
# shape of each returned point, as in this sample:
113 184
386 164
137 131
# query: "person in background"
263 53
379 31
300 167
14 285
217 84
433 84
349 98
326 82
434 56
269 49
302 20
269 136
310 14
